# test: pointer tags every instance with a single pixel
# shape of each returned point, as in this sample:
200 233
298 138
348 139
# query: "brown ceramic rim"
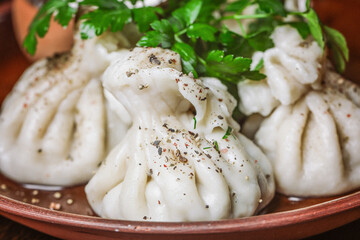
350 202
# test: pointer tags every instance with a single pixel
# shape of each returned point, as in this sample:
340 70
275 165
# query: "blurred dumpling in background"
182 159
313 144
304 117
53 123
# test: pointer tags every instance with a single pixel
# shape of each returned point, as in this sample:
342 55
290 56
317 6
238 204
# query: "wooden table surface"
333 12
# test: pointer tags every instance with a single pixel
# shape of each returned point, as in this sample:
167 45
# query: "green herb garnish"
216 145
228 133
195 122
195 30
108 14
192 31
338 45
63 12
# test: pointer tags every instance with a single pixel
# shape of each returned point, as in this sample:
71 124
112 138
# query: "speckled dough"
53 123
170 167
314 143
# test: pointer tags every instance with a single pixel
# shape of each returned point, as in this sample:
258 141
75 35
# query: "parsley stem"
239 17
177 38
297 13
202 61
242 28
182 32
178 34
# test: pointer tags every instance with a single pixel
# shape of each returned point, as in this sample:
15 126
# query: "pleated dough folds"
174 163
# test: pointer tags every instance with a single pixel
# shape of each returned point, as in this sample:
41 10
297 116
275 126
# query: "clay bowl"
285 225
65 213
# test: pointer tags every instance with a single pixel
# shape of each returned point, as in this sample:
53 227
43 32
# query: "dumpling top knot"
293 67
141 73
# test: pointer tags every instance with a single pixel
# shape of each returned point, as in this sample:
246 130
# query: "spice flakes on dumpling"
313 144
183 158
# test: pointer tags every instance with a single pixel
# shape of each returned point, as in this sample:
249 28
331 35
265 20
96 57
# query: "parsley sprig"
195 30
113 15
103 15
207 48
63 12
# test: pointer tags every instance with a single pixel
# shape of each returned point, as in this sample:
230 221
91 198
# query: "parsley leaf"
307 4
63 12
338 45
273 7
315 27
261 41
302 28
189 12
145 16
163 35
113 15
238 6
259 33
253 75
188 57
203 31
162 26
227 67
233 43
260 65
208 8
155 39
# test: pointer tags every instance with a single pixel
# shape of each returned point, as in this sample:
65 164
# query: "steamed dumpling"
167 168
314 143
53 123
292 67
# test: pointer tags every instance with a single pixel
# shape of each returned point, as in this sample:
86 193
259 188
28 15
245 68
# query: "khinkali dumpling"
314 143
53 123
172 166
292 67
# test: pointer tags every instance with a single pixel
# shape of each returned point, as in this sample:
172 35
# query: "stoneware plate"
65 213
298 223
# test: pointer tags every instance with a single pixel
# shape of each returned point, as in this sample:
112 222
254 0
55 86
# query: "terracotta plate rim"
266 221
